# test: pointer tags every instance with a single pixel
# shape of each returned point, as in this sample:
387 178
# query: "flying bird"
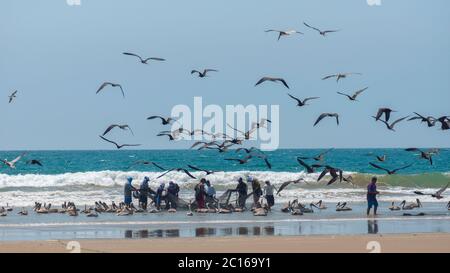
208 172
390 172
324 115
12 96
445 123
334 172
105 84
423 154
287 183
431 121
178 170
386 112
144 61
355 95
204 73
323 33
392 125
12 164
34 162
117 145
282 33
164 121
309 169
272 79
301 103
143 162
319 157
437 195
339 76
241 161
123 127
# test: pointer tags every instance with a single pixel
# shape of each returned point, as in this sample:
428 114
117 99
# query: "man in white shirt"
268 191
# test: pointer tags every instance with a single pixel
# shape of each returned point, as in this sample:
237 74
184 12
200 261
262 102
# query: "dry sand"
295 244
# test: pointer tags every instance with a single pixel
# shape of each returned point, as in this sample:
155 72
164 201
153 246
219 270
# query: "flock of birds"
223 143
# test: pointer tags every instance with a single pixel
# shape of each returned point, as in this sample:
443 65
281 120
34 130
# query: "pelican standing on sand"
411 206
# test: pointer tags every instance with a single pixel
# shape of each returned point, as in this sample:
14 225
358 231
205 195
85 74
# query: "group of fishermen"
205 194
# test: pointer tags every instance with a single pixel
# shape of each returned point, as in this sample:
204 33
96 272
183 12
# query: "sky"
57 55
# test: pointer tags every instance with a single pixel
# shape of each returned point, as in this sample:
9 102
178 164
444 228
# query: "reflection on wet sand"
201 232
372 226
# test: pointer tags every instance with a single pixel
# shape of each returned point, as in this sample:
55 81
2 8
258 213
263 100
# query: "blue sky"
57 55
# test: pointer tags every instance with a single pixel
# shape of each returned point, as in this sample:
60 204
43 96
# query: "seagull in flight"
325 115
392 125
164 121
178 170
323 33
340 76
204 73
390 172
123 127
282 33
105 84
272 79
386 112
144 61
117 145
12 164
437 195
355 95
12 96
301 103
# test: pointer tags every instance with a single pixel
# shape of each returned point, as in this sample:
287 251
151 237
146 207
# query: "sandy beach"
409 243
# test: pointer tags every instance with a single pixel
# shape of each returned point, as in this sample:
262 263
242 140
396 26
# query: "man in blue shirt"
127 191
372 196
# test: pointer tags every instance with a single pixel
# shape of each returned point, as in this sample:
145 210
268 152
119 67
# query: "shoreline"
399 243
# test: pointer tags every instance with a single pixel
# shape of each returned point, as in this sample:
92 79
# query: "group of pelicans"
293 207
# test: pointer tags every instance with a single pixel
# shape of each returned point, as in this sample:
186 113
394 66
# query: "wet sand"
412 243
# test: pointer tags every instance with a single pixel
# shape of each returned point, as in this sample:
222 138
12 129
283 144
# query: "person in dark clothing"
241 189
257 191
372 196
128 191
173 189
200 194
269 191
159 195
144 191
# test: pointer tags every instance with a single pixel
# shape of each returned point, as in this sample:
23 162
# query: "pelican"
287 207
12 164
339 76
287 183
204 73
392 125
164 121
321 32
431 121
393 207
309 169
3 212
23 212
386 112
282 33
125 211
319 157
207 172
144 61
171 210
178 170
259 212
301 103
423 155
355 95
222 210
92 213
12 96
445 122
319 205
143 162
121 145
34 162
390 172
272 79
105 84
122 127
334 172
342 207
411 206
437 195
325 115
8 208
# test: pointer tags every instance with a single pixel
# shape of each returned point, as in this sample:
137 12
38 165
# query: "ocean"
84 177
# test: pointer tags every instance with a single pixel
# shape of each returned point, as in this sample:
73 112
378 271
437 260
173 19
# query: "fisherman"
159 195
200 194
257 192
210 193
173 189
268 192
144 191
242 193
372 196
127 191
